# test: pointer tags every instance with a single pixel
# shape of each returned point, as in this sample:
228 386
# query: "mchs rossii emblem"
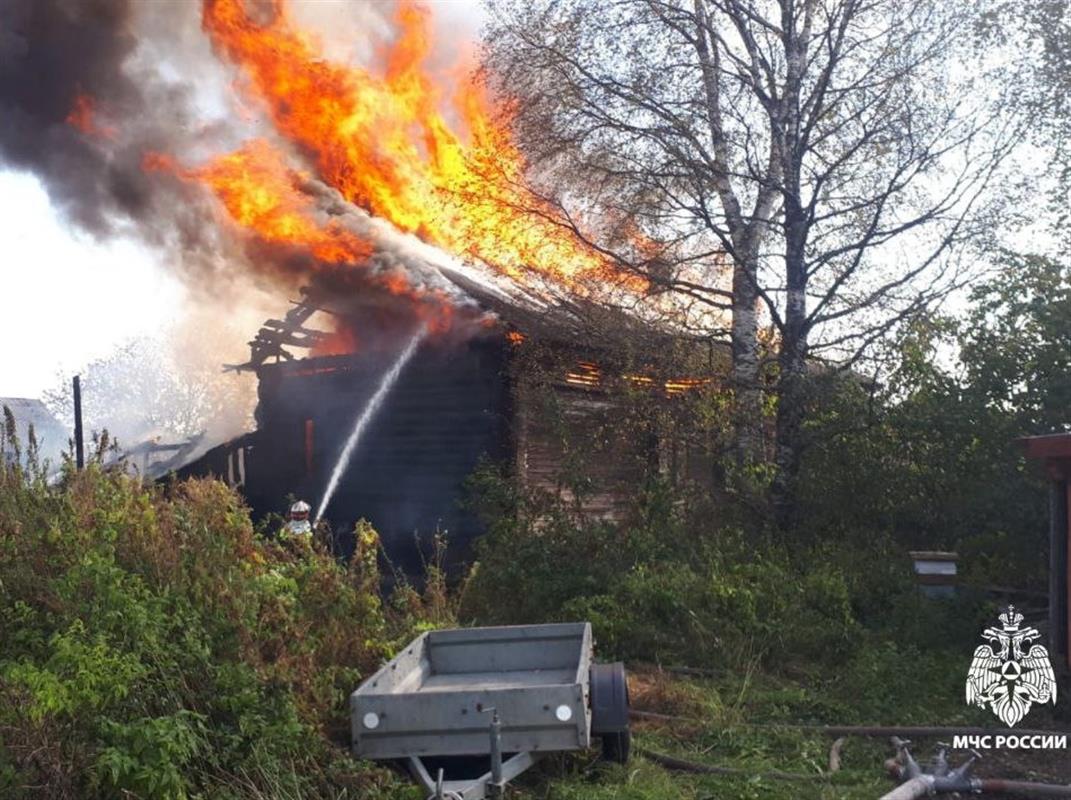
1004 677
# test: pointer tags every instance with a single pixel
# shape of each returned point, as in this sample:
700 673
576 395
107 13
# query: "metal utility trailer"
499 698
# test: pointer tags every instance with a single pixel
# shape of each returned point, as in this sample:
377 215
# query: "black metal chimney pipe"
79 451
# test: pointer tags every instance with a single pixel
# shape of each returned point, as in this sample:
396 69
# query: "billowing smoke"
78 107
51 54
88 88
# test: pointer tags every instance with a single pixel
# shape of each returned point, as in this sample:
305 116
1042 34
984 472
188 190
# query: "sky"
67 298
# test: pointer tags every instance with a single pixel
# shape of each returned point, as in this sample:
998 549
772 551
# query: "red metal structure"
1054 451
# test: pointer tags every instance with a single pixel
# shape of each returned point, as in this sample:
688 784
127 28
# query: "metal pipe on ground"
1024 787
956 781
924 785
917 787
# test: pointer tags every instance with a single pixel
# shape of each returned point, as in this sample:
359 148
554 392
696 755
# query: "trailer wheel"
609 710
616 746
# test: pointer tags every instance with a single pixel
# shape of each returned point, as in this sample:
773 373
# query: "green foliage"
148 756
152 645
929 461
667 584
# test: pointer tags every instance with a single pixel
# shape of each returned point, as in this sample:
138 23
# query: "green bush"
153 644
661 586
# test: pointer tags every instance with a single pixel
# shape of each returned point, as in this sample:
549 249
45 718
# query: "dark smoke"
145 67
138 84
51 52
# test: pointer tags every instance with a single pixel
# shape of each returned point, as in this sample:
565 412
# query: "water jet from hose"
366 415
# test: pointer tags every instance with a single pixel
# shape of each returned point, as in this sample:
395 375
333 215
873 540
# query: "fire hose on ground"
681 765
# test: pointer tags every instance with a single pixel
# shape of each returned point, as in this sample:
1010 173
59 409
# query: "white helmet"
300 510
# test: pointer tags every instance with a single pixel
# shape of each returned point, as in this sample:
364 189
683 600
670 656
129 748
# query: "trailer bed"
435 697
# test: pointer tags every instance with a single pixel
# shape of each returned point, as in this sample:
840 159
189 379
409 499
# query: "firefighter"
298 529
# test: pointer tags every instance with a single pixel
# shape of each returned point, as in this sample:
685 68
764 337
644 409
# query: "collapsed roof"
561 320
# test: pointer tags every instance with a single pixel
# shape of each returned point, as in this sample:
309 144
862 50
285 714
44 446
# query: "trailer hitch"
493 784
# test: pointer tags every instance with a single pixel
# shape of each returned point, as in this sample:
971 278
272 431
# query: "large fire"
257 188
388 143
262 194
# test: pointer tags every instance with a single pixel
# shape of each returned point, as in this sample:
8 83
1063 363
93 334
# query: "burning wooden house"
463 397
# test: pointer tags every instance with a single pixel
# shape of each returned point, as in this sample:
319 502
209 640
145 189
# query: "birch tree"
838 153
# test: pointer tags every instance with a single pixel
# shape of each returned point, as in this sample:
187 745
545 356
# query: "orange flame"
341 341
386 144
257 188
261 193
